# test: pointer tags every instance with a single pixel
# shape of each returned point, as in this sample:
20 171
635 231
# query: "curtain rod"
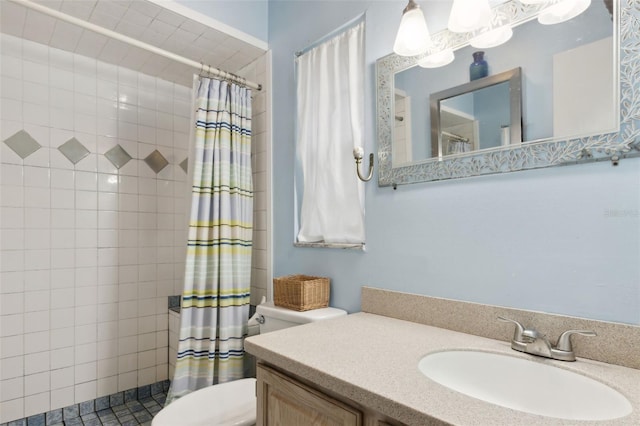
137 43
457 138
342 28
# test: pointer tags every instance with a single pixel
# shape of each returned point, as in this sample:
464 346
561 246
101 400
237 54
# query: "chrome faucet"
532 342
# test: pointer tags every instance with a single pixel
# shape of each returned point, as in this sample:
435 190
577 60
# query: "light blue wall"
249 16
563 240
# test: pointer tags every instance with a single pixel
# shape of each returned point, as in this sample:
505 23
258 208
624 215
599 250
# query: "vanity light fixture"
358 154
469 15
492 38
438 59
413 35
562 10
559 10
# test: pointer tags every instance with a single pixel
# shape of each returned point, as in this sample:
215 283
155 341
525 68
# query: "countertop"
373 360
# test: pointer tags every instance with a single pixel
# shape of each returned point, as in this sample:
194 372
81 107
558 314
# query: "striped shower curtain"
215 300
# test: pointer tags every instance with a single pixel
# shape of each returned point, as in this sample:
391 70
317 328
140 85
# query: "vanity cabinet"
284 401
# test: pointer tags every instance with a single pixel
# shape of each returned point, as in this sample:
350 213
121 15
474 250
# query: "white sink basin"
525 385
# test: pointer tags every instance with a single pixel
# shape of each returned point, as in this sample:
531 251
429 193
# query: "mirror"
555 130
461 122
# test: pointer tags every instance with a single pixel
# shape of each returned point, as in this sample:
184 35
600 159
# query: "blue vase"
479 67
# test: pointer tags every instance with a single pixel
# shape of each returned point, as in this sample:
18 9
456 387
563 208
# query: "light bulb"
469 15
439 59
492 38
562 11
413 36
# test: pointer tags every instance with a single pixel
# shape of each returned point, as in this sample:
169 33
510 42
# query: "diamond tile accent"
156 161
118 156
185 165
73 150
22 144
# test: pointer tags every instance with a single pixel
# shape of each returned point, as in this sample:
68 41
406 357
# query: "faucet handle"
518 332
564 341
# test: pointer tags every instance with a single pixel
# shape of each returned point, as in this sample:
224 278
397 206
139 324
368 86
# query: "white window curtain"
330 124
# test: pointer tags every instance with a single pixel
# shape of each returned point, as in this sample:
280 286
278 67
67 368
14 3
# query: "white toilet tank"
272 318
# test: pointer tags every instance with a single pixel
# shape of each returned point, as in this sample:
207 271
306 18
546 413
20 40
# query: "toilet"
234 403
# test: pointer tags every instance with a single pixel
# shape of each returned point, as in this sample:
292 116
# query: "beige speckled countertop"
373 360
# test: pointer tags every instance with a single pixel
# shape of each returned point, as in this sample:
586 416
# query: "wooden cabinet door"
283 401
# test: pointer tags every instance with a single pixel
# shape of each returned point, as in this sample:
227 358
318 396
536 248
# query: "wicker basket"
301 292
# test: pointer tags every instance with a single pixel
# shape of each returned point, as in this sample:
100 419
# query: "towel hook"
358 154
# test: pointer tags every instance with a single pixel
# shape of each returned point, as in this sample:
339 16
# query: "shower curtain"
215 300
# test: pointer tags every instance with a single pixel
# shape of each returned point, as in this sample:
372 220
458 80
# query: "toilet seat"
226 404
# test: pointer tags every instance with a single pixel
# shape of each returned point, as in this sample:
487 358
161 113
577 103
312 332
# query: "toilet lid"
228 404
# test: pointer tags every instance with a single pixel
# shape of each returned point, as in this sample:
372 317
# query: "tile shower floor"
127 408
128 414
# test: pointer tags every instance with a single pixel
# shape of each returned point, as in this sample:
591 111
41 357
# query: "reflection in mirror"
402 140
569 96
557 55
462 123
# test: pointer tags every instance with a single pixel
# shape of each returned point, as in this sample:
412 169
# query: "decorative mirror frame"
529 155
513 77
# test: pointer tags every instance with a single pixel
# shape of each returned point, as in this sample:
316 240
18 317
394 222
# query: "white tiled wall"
89 253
